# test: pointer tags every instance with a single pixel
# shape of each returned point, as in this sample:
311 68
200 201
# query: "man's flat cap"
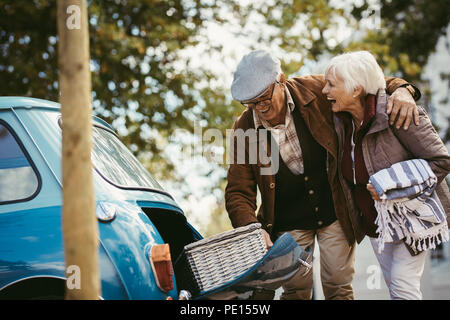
254 74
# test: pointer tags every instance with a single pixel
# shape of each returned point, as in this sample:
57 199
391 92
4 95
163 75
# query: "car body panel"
128 240
32 246
31 236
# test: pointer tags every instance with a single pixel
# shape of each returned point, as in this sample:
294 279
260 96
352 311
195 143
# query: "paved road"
369 284
435 282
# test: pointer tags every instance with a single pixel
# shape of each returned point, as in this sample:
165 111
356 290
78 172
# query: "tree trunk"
80 229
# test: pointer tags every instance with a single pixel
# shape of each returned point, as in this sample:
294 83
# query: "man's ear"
358 92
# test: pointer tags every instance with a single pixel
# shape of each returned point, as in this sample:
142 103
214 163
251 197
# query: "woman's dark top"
356 171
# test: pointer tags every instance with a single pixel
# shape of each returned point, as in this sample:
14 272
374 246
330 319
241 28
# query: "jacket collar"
300 94
381 121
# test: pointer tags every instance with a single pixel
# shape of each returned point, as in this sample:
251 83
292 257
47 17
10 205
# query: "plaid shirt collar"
261 122
287 138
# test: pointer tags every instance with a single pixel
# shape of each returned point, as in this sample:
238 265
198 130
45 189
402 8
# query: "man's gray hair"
356 69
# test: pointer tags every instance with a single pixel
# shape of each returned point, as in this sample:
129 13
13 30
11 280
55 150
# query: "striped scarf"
409 208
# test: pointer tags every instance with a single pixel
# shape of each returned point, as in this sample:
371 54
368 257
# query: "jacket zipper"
353 159
352 153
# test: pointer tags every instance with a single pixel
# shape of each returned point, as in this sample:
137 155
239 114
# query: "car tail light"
162 266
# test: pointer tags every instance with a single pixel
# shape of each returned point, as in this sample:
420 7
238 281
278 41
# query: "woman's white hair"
356 69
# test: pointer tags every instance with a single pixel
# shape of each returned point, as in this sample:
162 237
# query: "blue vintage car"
134 214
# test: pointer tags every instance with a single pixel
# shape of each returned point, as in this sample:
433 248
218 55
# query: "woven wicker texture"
224 257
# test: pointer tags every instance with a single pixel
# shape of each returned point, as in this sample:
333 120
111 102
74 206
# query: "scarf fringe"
419 241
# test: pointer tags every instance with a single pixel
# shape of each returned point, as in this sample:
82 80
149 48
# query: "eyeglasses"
262 101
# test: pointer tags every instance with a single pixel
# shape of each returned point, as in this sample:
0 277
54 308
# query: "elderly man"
303 195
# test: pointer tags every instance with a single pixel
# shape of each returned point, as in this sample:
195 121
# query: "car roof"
12 101
7 102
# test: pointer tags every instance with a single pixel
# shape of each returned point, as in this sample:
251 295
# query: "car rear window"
18 179
117 164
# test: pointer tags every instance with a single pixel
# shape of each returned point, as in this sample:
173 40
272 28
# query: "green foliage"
408 34
414 27
298 27
139 80
28 53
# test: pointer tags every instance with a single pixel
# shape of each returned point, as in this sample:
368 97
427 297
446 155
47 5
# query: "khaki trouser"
337 260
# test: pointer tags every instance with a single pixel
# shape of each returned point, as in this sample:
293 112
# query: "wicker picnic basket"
216 260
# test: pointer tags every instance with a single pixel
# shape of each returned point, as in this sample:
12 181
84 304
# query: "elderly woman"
355 86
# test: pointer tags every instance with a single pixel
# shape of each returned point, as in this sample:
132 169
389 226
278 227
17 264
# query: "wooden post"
80 227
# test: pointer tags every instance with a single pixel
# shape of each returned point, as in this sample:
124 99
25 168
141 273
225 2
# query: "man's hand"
266 237
401 103
373 192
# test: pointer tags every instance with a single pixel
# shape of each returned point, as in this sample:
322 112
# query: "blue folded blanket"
409 208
